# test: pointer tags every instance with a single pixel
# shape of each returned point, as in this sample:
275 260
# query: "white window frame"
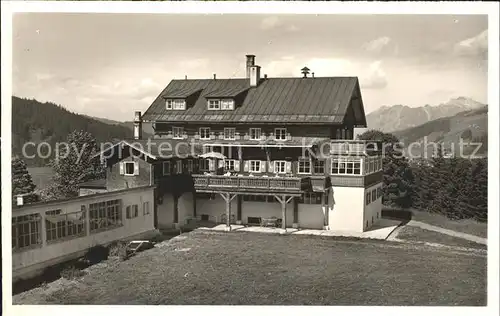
145 208
166 169
227 104
229 162
180 132
282 132
190 165
347 163
125 168
231 131
179 104
178 167
204 129
277 166
213 104
204 163
255 129
255 163
303 161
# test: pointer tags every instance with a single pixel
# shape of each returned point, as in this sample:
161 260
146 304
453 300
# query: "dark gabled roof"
287 100
181 93
150 150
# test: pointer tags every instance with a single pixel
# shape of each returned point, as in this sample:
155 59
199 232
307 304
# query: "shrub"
71 273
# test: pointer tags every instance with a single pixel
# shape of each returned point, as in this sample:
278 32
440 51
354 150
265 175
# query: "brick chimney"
250 63
137 125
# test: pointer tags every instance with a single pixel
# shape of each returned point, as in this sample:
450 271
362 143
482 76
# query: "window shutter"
246 166
211 165
136 168
288 167
271 166
263 166
122 168
236 165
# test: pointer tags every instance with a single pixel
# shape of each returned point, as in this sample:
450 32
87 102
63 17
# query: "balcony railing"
247 182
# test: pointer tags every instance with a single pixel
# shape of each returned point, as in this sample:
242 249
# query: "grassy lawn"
468 226
264 269
411 233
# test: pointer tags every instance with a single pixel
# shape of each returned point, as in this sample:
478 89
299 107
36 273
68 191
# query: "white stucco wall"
266 210
185 207
311 216
215 208
347 213
25 262
165 212
371 210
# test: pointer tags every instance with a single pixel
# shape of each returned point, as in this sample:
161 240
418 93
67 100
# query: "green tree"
75 164
399 181
22 183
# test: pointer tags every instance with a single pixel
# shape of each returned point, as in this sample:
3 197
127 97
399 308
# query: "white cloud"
270 22
473 46
371 76
381 45
375 78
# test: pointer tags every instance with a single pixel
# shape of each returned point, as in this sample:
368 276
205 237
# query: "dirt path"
449 232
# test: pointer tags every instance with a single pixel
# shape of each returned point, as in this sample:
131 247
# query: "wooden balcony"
210 183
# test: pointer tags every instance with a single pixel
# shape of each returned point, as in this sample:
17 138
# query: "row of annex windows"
304 166
212 104
27 229
373 195
280 133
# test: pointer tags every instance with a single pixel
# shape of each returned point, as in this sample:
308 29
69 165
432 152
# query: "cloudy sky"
109 65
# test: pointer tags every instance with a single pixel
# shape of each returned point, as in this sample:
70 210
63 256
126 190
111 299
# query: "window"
229 164
214 104
304 166
105 215
178 132
280 133
368 196
179 105
280 166
129 167
166 168
145 208
255 166
205 164
26 231
227 104
178 167
374 195
319 166
176 104
58 226
190 166
349 166
132 211
229 133
259 198
204 132
311 198
255 133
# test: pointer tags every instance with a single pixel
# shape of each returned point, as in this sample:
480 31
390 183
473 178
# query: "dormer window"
214 104
227 104
176 104
217 104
